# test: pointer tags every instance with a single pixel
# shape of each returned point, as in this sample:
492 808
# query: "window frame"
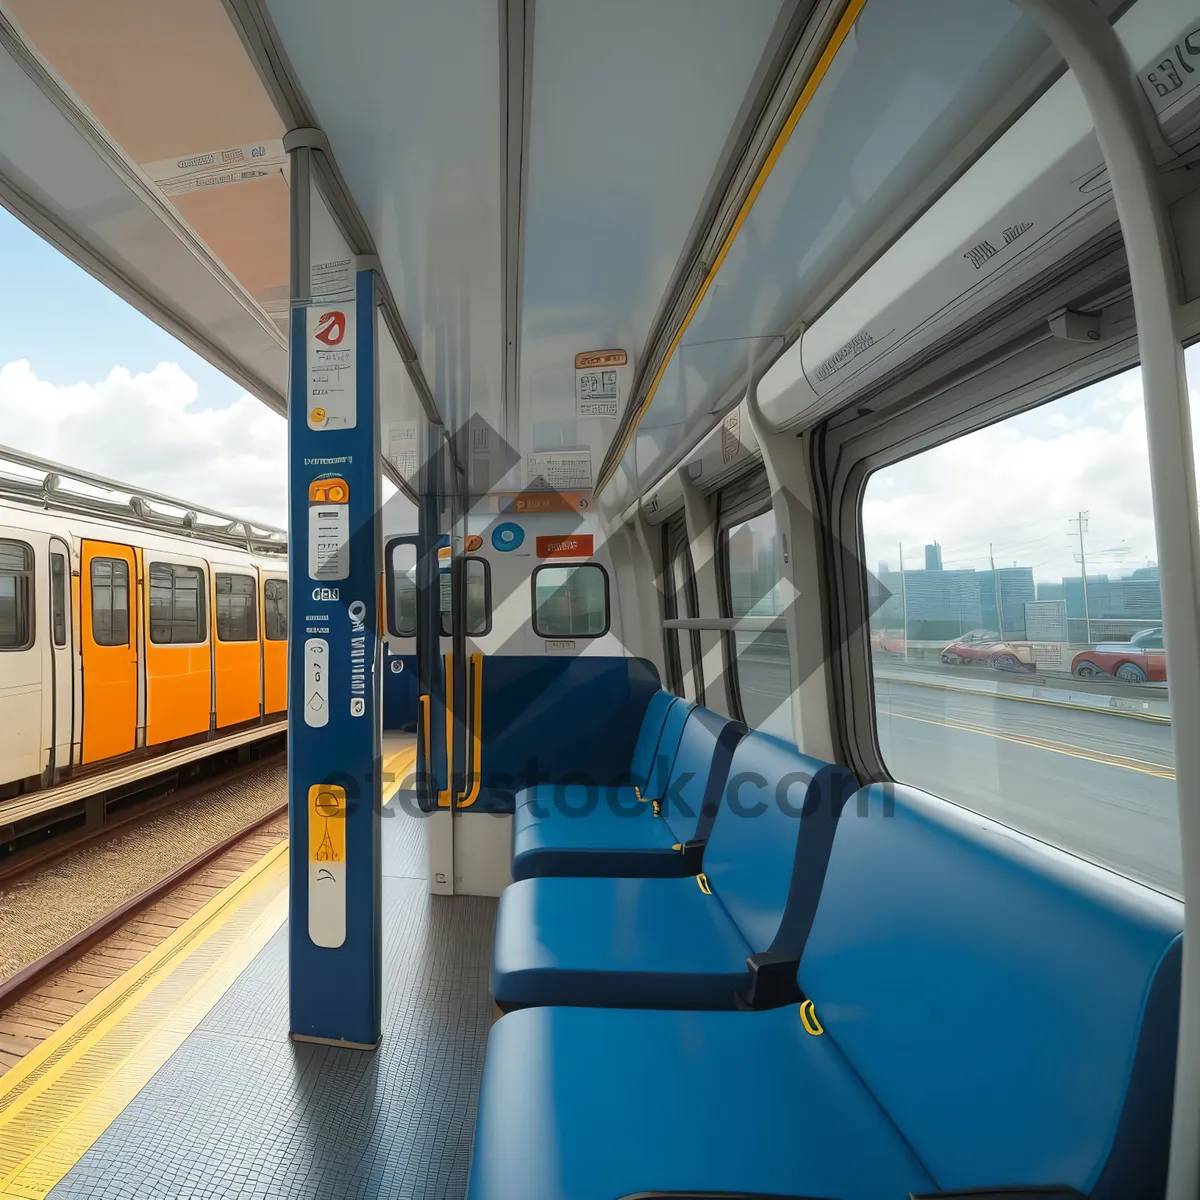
201 600
389 584
487 598
26 581
677 545
287 596
128 643
533 611
234 573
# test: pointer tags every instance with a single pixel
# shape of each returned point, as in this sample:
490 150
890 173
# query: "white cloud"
1016 485
147 430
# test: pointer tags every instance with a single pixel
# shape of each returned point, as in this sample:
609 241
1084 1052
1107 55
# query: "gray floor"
239 1110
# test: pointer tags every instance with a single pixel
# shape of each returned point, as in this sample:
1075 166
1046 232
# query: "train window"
681 599
110 601
237 608
570 601
16 596
176 605
58 597
404 589
479 599
275 610
1016 629
757 662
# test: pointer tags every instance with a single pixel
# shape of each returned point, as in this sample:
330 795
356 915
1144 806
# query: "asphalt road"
1096 783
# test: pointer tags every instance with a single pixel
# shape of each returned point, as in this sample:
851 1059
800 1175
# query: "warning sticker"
332 403
601 381
559 470
327 864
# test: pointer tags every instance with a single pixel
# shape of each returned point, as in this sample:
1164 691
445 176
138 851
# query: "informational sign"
601 382
330 346
329 528
559 470
247 163
571 545
1046 620
508 535
559 646
316 683
333 279
541 502
731 439
334 667
403 448
327 864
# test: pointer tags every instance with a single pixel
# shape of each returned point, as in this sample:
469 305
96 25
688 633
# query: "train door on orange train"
108 605
237 651
274 644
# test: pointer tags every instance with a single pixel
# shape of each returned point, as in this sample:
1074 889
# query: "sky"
88 381
1013 489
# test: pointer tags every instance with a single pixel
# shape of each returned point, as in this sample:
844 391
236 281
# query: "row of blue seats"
863 994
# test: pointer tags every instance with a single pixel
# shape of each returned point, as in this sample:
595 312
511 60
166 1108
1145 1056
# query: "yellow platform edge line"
74 1114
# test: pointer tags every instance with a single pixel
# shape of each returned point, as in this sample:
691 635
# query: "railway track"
71 924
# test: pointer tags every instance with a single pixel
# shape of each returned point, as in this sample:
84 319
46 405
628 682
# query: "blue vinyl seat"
982 1012
588 829
683 942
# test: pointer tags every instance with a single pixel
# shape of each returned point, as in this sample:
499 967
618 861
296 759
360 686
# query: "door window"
110 601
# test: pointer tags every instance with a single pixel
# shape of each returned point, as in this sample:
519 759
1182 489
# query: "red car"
982 648
1142 659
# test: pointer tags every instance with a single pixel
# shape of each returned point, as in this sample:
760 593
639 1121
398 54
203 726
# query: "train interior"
661 825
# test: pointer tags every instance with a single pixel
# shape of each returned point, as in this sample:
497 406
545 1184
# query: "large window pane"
1016 636
176 605
16 596
237 608
570 601
762 667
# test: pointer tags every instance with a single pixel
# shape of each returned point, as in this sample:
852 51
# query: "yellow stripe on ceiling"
66 1092
840 33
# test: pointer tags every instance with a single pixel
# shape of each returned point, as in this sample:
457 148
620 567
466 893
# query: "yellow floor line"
396 768
62 1096
1109 760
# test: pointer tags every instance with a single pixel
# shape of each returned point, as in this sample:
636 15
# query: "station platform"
179 1079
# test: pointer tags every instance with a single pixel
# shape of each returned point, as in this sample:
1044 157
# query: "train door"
108 609
61 655
178 669
21 661
274 642
237 654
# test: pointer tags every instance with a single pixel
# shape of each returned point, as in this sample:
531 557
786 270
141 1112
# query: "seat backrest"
771 838
704 747
651 730
662 759
1012 1008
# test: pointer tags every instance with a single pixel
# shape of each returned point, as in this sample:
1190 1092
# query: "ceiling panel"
912 78
632 104
408 93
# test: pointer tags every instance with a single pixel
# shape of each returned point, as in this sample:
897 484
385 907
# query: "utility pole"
1081 521
904 600
996 588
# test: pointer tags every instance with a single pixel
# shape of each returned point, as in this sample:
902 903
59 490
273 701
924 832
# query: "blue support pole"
334 743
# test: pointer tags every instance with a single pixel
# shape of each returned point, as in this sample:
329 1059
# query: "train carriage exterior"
119 641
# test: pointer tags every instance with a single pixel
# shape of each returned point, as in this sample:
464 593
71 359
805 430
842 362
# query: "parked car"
1142 659
983 648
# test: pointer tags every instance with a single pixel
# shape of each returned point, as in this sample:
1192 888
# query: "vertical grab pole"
1095 55
335 567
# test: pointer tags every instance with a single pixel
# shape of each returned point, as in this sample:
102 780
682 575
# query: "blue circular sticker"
507 536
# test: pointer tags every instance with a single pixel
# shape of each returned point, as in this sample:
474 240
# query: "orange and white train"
121 640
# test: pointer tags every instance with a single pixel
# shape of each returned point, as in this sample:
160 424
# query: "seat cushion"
596 1104
1003 1001
650 943
578 830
